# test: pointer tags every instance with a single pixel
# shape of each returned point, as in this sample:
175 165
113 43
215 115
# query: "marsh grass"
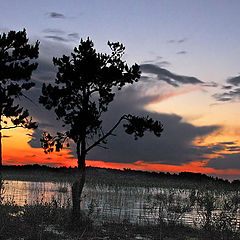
2 189
213 213
39 221
50 221
63 189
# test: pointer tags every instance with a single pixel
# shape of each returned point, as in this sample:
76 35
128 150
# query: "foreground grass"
48 221
53 221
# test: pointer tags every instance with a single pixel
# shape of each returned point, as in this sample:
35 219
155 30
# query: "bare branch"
11 127
110 132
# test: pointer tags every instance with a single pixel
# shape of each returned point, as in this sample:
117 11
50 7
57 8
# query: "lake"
133 204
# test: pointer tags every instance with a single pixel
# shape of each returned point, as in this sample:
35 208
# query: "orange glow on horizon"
17 151
195 166
173 94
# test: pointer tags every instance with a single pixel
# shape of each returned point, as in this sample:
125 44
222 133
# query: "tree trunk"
77 189
0 142
79 182
0 150
1 180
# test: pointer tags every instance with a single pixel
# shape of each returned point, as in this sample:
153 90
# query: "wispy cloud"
73 35
182 40
59 35
53 30
228 96
167 76
55 15
235 81
226 161
232 91
57 38
182 52
226 87
210 84
177 40
165 96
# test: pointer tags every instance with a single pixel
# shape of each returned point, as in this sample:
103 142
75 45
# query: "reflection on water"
23 192
135 204
104 202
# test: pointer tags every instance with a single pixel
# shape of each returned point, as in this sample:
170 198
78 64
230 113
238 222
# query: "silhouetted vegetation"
49 221
126 177
16 68
85 85
216 217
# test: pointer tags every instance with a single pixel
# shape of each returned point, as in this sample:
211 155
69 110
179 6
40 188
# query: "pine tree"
85 85
16 67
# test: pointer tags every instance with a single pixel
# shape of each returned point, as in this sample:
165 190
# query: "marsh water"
134 204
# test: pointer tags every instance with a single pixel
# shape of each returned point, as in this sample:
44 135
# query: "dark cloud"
175 146
45 73
167 76
210 84
55 15
145 78
229 160
157 61
177 41
182 40
56 38
53 30
35 138
235 81
225 161
226 87
228 96
232 92
233 149
58 35
227 143
182 52
6 136
73 35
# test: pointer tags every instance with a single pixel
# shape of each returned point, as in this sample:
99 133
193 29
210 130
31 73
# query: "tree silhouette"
84 86
16 68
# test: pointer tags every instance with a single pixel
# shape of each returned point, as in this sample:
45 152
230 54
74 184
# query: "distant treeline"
126 176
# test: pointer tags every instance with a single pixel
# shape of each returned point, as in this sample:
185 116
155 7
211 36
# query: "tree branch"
17 126
107 134
29 99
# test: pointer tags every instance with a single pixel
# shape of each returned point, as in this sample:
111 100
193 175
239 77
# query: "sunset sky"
189 54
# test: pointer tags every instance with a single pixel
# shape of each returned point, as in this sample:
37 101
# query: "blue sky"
209 29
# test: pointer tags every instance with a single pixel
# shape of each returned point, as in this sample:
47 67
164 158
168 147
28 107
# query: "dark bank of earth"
126 177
